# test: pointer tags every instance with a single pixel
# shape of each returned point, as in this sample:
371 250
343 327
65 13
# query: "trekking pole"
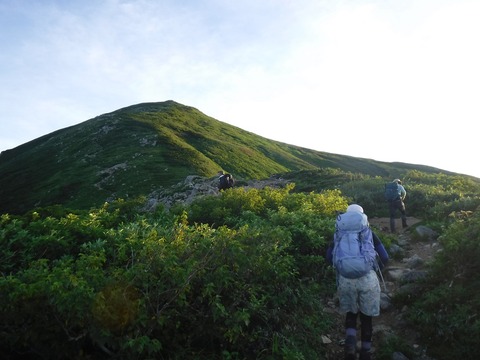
383 281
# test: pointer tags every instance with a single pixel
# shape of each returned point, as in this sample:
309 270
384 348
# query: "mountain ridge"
134 150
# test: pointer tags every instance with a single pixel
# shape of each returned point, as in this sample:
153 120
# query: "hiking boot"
365 354
350 348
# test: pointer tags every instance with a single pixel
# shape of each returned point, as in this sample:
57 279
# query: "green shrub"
234 276
445 310
109 283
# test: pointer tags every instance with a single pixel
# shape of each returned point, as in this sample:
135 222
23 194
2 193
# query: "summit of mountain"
137 149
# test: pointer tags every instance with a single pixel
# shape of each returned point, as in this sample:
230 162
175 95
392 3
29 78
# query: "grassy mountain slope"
137 149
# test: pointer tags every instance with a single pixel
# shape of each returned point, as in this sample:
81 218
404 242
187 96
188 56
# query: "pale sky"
388 80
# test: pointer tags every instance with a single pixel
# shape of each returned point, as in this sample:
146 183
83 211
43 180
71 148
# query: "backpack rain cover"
354 254
391 191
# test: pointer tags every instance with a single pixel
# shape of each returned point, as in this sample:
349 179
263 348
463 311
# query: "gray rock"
399 356
426 233
414 262
413 275
385 302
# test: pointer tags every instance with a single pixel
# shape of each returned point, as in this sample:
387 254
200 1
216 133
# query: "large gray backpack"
354 253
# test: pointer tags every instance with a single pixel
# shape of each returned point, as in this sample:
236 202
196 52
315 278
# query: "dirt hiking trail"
390 322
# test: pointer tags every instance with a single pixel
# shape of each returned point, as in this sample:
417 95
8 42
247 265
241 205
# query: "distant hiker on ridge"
395 195
225 181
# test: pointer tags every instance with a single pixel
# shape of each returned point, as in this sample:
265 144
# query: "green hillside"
239 274
135 150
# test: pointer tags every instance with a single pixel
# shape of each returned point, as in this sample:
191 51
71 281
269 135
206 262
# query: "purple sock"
351 332
366 345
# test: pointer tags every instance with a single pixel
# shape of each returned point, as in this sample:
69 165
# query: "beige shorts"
362 294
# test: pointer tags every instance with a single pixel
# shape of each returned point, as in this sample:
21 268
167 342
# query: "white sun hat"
355 208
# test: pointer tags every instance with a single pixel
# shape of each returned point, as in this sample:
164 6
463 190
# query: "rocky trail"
406 264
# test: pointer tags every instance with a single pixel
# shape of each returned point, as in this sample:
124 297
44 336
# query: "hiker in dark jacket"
359 297
398 204
225 181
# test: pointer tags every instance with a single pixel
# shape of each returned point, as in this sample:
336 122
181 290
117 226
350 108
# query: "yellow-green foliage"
249 284
237 275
